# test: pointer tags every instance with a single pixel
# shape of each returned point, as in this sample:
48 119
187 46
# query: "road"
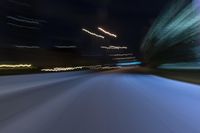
81 102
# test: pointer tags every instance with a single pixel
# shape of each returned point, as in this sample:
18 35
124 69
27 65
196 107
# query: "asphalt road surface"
81 102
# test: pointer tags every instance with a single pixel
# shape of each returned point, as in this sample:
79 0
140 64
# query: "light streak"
106 32
114 47
174 36
66 47
28 47
60 69
125 58
93 34
15 66
33 19
120 55
109 67
93 67
22 26
130 63
182 66
23 20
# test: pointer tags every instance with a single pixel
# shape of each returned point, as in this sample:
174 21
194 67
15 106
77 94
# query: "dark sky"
61 21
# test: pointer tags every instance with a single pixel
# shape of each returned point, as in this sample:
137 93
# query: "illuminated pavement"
98 103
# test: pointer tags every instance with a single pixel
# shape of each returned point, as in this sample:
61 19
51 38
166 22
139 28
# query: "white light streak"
66 47
28 47
23 26
33 19
23 20
106 32
61 69
15 66
93 67
114 47
93 34
120 55
109 67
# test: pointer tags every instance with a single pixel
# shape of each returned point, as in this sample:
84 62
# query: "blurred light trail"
124 58
33 19
108 68
129 63
61 69
23 20
93 34
66 47
93 67
23 26
15 66
106 32
28 47
114 47
181 66
120 55
174 36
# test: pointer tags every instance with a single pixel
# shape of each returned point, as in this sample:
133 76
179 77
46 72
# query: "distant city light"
15 66
93 34
106 32
114 47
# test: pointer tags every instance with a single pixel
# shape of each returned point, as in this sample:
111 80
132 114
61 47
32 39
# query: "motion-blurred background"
49 33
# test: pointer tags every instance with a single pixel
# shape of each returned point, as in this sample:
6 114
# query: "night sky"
61 21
